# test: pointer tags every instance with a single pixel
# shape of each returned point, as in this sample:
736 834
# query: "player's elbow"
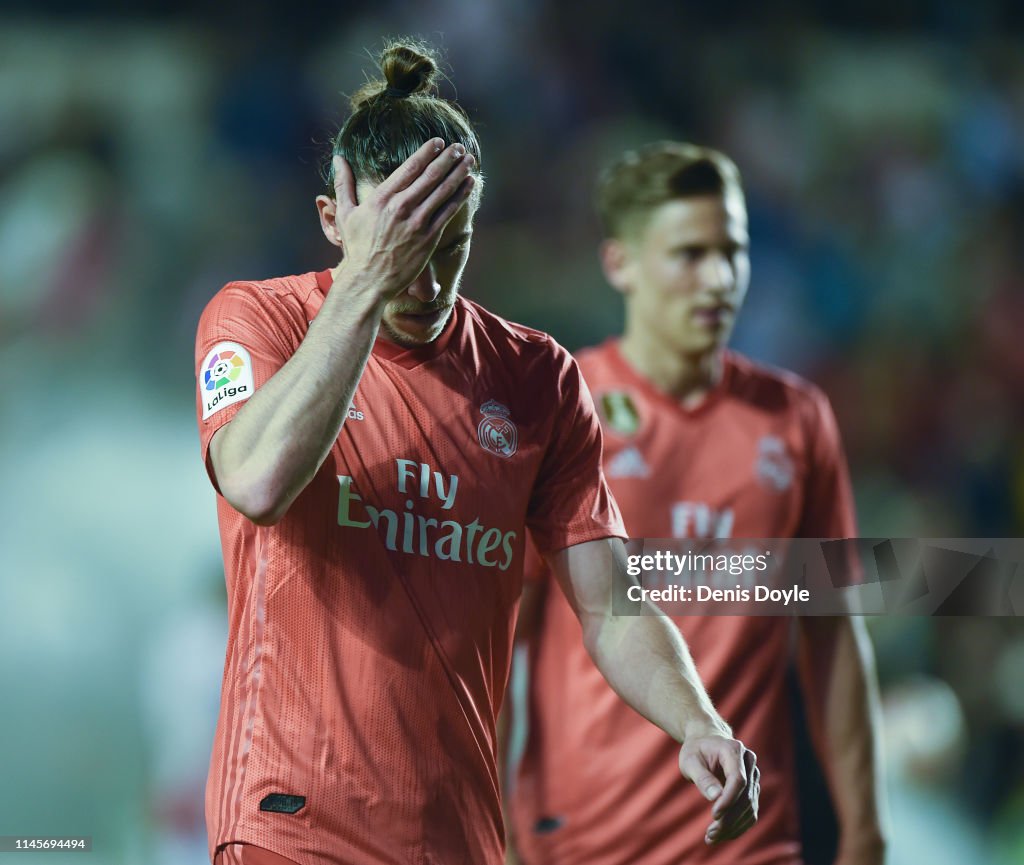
257 490
264 516
254 499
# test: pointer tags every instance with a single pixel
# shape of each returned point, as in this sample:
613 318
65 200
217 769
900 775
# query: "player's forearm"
645 659
840 691
279 439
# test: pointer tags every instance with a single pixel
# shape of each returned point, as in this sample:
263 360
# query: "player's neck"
686 378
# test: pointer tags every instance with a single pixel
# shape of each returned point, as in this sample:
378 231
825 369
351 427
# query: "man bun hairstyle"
408 68
641 180
392 117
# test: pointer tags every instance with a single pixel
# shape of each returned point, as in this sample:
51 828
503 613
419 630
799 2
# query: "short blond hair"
641 180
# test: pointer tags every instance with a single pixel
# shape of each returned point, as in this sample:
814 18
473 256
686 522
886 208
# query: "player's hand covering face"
409 235
726 773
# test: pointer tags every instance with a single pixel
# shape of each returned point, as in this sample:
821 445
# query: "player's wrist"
865 846
361 289
705 724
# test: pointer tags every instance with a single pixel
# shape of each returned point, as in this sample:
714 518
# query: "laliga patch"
225 377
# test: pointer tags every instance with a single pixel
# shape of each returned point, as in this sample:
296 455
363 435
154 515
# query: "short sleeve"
571 502
243 338
828 502
829 510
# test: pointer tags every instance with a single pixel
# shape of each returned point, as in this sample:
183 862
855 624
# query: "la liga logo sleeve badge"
225 377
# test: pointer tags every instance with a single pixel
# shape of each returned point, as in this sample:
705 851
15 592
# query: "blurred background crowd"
146 160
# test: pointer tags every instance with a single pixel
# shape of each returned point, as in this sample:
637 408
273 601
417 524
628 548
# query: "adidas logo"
628 464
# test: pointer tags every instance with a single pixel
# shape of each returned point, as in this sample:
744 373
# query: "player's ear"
617 264
327 207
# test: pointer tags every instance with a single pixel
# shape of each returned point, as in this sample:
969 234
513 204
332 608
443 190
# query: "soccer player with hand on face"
379 445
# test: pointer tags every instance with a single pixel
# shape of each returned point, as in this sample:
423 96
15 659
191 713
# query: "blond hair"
641 180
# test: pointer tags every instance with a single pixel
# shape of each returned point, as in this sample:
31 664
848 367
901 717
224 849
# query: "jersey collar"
643 384
384 349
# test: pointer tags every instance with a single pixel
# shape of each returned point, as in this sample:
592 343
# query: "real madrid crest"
774 467
496 432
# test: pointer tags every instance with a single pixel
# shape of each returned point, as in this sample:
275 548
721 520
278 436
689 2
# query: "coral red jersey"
760 457
370 629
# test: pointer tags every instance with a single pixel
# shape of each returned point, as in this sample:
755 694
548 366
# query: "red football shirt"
370 630
760 457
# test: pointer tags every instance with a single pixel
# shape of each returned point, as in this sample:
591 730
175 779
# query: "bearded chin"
408 341
397 337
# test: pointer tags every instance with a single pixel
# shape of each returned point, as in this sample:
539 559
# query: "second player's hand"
392 233
726 773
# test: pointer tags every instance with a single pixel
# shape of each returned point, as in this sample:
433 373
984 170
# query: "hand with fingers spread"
392 233
726 773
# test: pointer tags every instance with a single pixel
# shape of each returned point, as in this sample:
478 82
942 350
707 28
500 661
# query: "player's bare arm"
839 691
646 661
275 444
